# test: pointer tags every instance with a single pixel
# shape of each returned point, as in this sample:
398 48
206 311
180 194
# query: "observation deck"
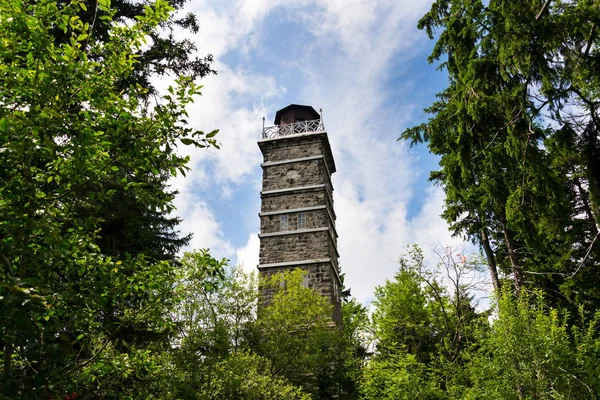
293 128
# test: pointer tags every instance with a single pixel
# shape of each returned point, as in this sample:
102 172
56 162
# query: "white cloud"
226 192
247 256
428 229
239 122
200 220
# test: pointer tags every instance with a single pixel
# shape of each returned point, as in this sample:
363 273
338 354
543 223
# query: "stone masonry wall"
292 149
333 253
313 219
286 201
303 246
295 147
305 173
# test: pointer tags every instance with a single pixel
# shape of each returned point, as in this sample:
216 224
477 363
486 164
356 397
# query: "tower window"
301 221
283 222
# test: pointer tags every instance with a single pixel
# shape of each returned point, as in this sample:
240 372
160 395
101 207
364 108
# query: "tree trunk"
8 351
512 256
491 259
586 204
591 152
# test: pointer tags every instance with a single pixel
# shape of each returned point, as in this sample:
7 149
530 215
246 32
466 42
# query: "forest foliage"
97 302
516 130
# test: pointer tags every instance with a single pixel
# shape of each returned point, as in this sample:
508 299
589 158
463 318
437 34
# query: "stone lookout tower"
297 221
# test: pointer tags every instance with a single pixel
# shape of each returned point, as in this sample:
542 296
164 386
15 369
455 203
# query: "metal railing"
296 128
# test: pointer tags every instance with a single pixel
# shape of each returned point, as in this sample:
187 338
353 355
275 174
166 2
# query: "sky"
364 63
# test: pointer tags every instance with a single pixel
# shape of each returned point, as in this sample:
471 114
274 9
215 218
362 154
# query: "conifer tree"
517 132
134 224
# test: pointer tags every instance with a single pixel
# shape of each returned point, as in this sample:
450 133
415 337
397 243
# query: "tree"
214 316
532 352
353 346
137 223
407 328
242 376
431 341
516 161
399 376
224 349
212 356
164 53
406 318
424 332
72 314
297 335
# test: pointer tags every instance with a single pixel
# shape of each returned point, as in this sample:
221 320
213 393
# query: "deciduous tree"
74 318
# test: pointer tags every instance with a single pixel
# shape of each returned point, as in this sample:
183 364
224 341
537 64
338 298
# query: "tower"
297 220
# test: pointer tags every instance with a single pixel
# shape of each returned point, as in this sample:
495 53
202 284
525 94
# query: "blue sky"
365 64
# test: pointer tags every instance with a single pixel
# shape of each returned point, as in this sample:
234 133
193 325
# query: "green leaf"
212 134
104 5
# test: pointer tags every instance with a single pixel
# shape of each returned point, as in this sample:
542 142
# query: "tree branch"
7 263
590 40
588 102
544 8
498 132
112 336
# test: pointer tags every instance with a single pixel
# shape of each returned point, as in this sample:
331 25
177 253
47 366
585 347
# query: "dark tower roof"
295 112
